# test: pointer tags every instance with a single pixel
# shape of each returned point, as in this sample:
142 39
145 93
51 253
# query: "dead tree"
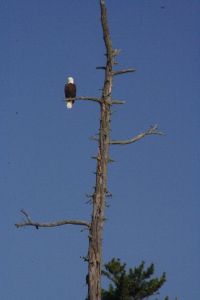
95 226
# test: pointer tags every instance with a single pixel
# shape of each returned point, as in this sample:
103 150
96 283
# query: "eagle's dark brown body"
70 91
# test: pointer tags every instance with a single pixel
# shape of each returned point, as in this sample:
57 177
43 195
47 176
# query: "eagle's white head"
70 80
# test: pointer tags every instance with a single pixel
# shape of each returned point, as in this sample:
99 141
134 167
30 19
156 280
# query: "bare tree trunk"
96 229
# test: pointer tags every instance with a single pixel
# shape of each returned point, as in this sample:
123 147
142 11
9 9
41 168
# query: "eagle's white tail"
69 104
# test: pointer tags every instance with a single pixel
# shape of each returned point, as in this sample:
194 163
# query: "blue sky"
45 153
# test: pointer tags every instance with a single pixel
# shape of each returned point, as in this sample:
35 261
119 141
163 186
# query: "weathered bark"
96 229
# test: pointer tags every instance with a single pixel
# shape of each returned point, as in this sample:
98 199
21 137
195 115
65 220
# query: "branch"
94 99
116 52
150 131
101 68
29 222
123 71
118 102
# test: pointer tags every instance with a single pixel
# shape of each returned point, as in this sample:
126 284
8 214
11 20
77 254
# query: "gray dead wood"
98 213
37 225
120 72
95 99
152 130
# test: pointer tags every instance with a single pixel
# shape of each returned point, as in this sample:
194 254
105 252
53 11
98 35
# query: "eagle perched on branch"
70 92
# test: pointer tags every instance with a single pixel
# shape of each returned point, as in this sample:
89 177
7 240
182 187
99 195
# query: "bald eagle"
70 91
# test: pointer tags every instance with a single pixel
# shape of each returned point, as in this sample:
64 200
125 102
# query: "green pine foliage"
134 284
